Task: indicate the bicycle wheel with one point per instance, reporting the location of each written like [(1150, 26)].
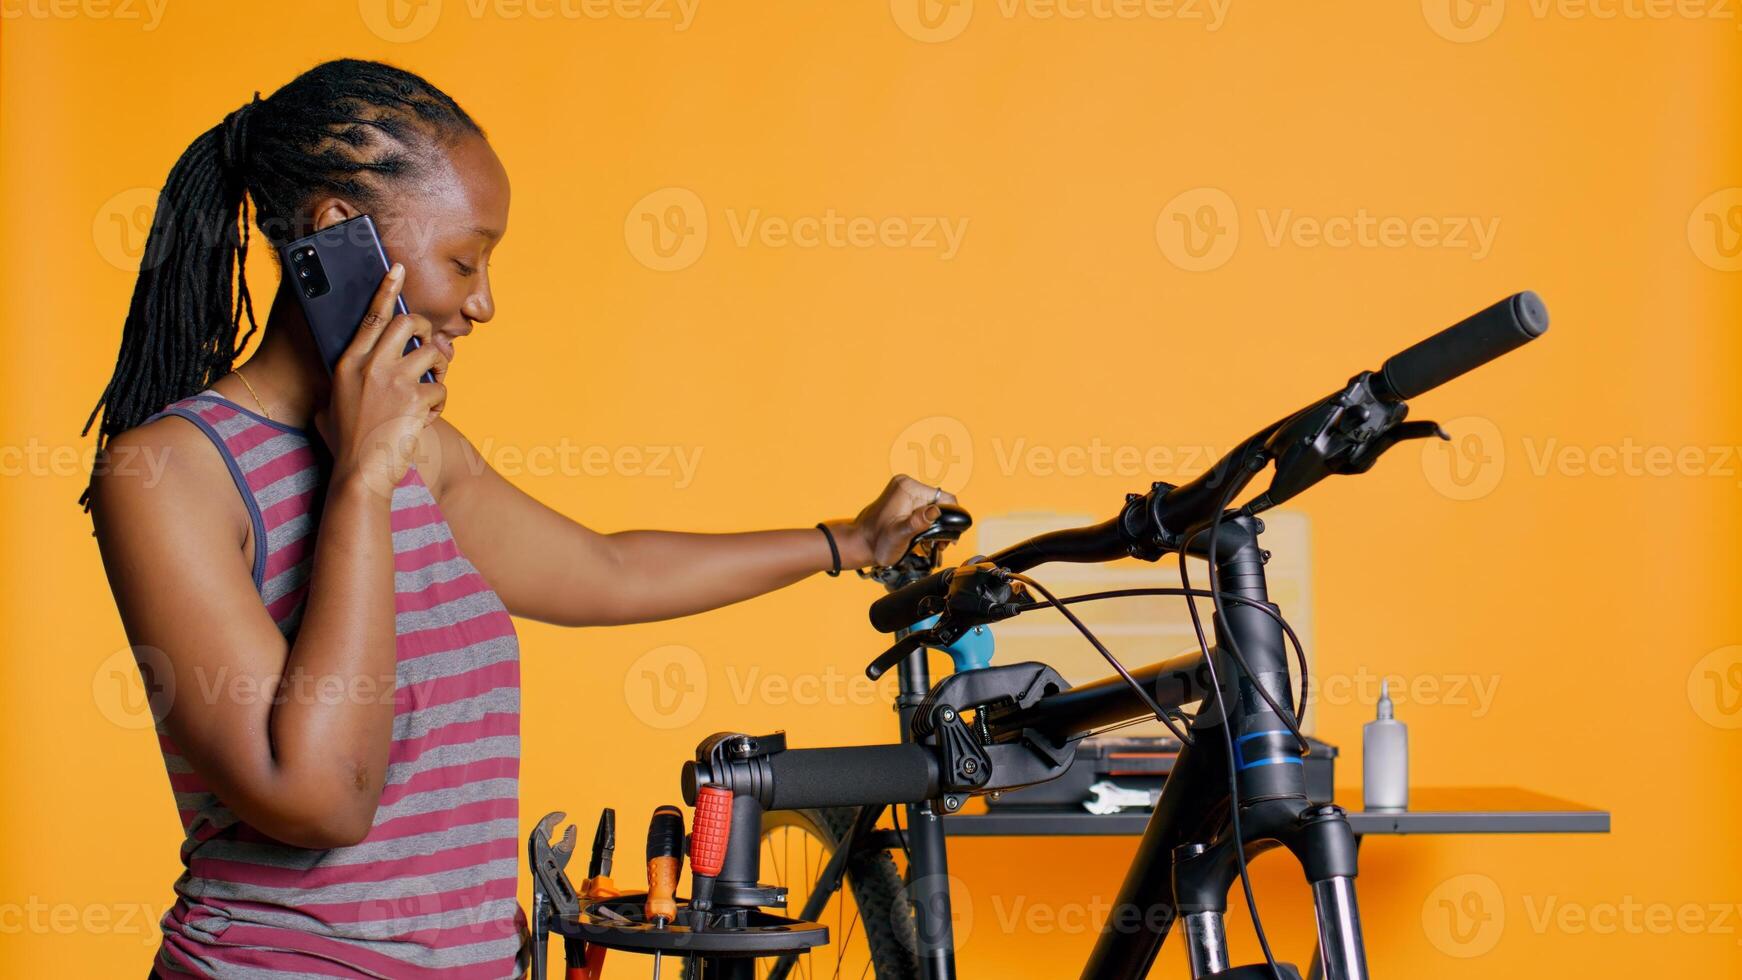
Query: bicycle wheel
[(870, 923)]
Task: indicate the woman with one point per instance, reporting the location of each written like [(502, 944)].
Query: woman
[(343, 736)]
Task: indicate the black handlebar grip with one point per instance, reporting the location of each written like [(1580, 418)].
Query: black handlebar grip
[(900, 609), (1463, 347), (861, 775)]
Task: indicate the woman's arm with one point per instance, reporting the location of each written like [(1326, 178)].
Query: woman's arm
[(293, 738), (550, 568), (307, 771)]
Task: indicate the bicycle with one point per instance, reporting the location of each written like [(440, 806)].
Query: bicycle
[(1237, 787)]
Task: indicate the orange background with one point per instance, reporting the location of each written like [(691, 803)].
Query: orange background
[(1597, 603)]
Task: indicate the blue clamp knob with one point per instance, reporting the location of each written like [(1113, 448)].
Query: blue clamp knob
[(971, 651)]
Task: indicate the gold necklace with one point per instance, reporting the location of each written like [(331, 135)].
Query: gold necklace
[(252, 393)]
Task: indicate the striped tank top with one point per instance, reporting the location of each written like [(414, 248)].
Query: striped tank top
[(430, 892)]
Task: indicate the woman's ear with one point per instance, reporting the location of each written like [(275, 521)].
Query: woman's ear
[(332, 210)]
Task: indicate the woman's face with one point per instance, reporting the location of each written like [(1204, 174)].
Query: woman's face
[(443, 228)]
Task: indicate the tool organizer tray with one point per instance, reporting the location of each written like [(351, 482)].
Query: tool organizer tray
[(759, 934)]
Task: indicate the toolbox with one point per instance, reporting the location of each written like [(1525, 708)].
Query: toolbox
[(1112, 774)]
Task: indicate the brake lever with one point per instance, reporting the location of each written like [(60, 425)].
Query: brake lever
[(980, 593), (909, 642), (1363, 458)]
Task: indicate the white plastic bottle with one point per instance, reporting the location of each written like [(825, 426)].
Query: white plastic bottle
[(1385, 759)]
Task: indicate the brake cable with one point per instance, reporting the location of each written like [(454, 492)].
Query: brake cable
[(1161, 714), (1263, 607)]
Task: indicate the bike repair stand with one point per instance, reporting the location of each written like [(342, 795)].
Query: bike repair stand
[(721, 928)]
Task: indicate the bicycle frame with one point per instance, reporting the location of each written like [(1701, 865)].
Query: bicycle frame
[(1188, 857), (1185, 863)]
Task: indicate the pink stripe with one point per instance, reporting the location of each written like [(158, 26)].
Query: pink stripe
[(212, 411), (436, 593), (467, 813), (278, 467), (460, 732), (450, 859), (290, 507), (366, 959), (490, 625), (451, 777), (457, 687), (286, 557), (281, 608), (417, 559), (247, 440), (413, 516), (472, 895)]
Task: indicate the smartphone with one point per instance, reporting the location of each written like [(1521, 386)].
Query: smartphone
[(335, 273)]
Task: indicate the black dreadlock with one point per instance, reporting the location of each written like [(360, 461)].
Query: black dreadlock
[(347, 128)]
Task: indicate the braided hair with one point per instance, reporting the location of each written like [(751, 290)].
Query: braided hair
[(346, 128)]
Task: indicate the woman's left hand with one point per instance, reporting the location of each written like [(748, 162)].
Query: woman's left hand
[(882, 530)]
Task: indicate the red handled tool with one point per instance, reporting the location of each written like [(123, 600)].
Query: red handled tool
[(708, 841)]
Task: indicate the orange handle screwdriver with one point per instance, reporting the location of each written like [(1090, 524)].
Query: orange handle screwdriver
[(664, 863)]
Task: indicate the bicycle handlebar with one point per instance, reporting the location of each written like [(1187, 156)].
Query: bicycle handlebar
[(1458, 349), (1463, 347)]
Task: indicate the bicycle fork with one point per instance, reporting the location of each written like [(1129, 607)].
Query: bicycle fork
[(1319, 837)]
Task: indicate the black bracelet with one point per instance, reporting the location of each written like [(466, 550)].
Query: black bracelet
[(834, 552)]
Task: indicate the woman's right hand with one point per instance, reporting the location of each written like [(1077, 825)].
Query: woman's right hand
[(379, 407)]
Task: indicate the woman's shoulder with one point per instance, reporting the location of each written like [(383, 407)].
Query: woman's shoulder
[(163, 466)]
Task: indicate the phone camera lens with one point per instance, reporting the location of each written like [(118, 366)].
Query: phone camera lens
[(310, 291)]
